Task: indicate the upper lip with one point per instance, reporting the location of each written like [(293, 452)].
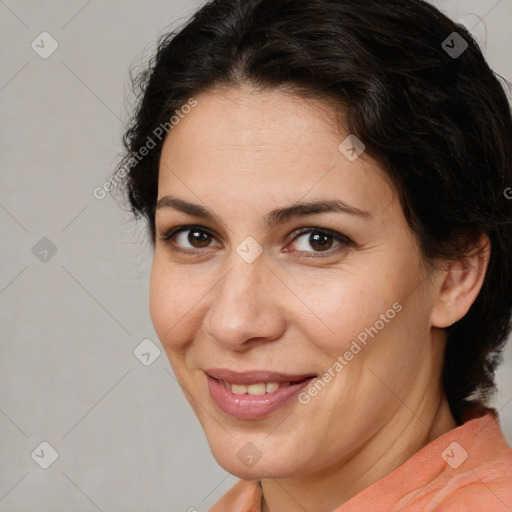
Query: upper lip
[(255, 376)]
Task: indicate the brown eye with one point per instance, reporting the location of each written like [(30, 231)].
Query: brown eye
[(198, 239), (320, 241), (316, 240), (188, 238)]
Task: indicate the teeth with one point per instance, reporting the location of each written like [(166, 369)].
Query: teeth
[(255, 389), (238, 389), (272, 386)]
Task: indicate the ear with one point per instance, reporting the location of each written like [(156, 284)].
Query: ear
[(459, 284)]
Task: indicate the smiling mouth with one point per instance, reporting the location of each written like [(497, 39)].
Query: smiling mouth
[(259, 388), (253, 394), (256, 380)]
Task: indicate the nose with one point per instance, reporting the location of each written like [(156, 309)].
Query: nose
[(245, 310)]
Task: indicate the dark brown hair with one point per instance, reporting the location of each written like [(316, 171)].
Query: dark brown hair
[(438, 123)]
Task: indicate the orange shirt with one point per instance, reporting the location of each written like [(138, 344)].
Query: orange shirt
[(468, 469)]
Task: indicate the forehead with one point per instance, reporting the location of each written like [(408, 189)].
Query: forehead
[(239, 143), (244, 119)]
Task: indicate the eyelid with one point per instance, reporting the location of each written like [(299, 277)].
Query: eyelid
[(167, 236), (343, 240)]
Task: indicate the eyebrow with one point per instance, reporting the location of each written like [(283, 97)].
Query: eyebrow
[(274, 217)]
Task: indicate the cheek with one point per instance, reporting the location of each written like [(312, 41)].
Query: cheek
[(342, 307), (171, 300)]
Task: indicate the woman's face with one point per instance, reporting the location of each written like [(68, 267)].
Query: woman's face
[(264, 291)]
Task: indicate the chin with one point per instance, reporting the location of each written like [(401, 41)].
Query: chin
[(249, 464)]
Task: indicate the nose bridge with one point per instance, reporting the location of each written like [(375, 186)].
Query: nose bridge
[(243, 308), (242, 281)]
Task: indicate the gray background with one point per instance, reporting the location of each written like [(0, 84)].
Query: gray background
[(125, 436)]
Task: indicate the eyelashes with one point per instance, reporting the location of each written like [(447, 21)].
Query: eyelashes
[(322, 241)]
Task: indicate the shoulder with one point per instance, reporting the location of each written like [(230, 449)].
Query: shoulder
[(475, 465), (484, 478), (469, 469)]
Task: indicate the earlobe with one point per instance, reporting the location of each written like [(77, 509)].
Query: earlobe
[(459, 285)]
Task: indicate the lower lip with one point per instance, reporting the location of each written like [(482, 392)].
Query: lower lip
[(252, 407)]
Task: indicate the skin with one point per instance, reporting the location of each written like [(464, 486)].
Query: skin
[(241, 153)]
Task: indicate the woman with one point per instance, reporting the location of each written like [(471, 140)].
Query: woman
[(324, 185)]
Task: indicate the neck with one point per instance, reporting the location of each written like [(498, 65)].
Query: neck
[(404, 435)]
